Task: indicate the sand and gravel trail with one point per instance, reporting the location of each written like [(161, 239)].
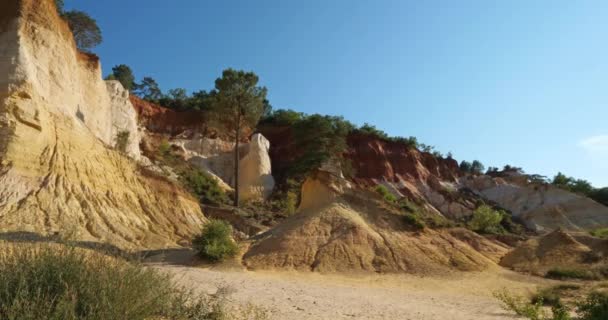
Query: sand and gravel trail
[(291, 295)]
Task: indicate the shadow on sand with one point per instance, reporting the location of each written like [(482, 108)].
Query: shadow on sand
[(171, 256)]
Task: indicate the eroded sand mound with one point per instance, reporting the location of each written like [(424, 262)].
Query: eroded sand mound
[(337, 229), (58, 124), (555, 250)]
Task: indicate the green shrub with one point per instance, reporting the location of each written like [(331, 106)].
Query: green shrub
[(164, 150), (215, 241), (408, 206), (595, 307), (56, 282), (521, 306), (285, 200), (386, 195), (122, 141), (563, 273), (291, 202), (319, 139), (600, 233), (547, 296), (371, 130), (204, 186), (414, 220), (349, 171), (486, 220), (509, 225)]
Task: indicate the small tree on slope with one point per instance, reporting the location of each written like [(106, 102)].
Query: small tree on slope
[(239, 103)]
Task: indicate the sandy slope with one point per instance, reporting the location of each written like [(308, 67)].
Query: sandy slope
[(314, 296)]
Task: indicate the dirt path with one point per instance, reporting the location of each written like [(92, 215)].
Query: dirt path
[(314, 296)]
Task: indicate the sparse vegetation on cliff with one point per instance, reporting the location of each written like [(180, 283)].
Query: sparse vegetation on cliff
[(122, 141), (582, 187), (368, 129), (475, 167), (203, 185), (386, 195)]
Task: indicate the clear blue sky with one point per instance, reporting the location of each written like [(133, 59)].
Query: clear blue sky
[(518, 82)]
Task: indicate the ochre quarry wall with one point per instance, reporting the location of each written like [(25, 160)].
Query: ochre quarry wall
[(59, 172)]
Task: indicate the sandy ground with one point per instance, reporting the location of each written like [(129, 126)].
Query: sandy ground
[(290, 295)]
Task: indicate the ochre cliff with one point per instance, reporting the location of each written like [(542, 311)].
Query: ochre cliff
[(373, 158), (59, 120), (162, 120)]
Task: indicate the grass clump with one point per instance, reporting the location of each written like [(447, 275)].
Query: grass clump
[(215, 242), (521, 306), (386, 195), (600, 233), (56, 282), (566, 273), (593, 307), (164, 150), (414, 220), (551, 296)]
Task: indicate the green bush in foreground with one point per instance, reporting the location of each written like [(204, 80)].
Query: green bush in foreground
[(215, 242), (593, 307), (55, 282)]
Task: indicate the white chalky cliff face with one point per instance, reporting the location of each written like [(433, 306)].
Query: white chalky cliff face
[(542, 208), (216, 157), (59, 120)]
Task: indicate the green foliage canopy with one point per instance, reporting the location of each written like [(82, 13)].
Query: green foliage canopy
[(59, 4), (486, 220), (123, 74), (475, 167), (85, 29), (148, 89)]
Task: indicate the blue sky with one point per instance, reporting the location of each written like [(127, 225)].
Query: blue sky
[(506, 82)]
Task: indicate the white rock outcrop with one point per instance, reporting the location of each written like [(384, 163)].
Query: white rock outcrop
[(255, 176), (123, 118), (58, 124), (541, 207), (216, 157)]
